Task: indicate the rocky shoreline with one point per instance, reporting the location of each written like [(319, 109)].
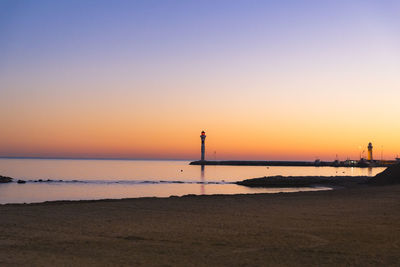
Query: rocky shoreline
[(304, 181), (5, 179), (388, 177)]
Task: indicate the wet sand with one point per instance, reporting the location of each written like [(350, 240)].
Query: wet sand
[(350, 226)]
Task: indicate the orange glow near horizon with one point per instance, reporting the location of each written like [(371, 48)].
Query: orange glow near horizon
[(170, 138), (236, 131)]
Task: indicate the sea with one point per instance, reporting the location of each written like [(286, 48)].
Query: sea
[(92, 179)]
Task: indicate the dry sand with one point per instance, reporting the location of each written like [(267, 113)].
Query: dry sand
[(353, 226)]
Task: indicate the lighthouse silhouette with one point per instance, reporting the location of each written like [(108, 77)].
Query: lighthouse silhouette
[(203, 147), (370, 157)]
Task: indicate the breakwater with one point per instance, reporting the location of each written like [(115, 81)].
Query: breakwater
[(349, 163)]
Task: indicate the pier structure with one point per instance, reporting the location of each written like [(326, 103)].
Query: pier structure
[(203, 146), (347, 163), (370, 157)]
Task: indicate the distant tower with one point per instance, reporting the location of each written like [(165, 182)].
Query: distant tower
[(370, 158), (203, 147)]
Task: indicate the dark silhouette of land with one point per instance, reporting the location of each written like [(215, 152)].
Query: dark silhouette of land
[(5, 179), (305, 181), (390, 176)]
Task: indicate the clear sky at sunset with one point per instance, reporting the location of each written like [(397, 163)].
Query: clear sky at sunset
[(141, 79)]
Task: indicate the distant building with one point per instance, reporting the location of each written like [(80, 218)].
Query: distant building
[(349, 162), (336, 163)]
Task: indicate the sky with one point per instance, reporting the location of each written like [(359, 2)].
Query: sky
[(266, 80)]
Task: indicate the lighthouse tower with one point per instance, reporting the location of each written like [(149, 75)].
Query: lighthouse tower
[(370, 158), (203, 147)]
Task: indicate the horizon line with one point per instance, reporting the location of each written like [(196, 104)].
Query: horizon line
[(132, 159), (87, 158)]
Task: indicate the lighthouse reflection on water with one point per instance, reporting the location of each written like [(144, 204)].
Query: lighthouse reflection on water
[(203, 150), (202, 190)]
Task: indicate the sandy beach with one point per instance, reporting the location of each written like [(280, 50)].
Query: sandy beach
[(352, 226)]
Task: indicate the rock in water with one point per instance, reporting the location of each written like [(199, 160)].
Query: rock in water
[(389, 176), (4, 179), (21, 181)]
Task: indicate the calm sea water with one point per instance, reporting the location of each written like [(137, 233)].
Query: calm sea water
[(100, 179)]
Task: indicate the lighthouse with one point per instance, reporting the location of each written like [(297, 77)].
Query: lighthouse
[(203, 147), (370, 152)]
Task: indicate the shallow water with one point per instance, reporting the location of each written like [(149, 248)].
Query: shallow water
[(99, 179)]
